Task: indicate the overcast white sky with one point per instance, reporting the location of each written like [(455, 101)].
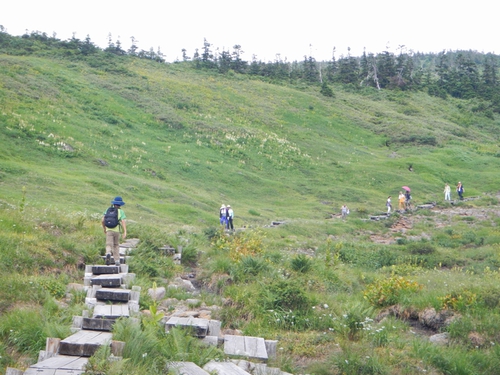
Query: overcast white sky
[(265, 27)]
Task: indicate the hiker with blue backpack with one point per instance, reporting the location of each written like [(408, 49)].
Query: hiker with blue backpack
[(113, 221)]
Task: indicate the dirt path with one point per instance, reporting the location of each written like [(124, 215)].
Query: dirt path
[(443, 217)]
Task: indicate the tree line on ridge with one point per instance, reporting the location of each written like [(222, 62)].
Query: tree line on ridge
[(459, 74)]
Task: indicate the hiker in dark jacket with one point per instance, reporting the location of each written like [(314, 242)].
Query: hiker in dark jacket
[(460, 190), (230, 217)]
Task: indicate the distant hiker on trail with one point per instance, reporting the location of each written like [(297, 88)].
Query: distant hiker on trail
[(223, 215), (345, 212), (401, 201), (230, 217), (447, 191), (112, 222), (407, 199), (460, 190), (389, 205)]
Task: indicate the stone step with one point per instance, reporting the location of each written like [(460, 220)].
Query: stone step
[(110, 281), (224, 368), (113, 311), (245, 346), (59, 364), (84, 343), (185, 368), (97, 324), (113, 294)]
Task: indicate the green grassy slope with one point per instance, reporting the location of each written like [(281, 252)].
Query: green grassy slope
[(176, 143)]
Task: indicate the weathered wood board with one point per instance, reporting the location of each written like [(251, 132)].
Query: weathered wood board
[(199, 326), (98, 324), (112, 294), (245, 346), (224, 368), (113, 281), (105, 270), (84, 343), (113, 311), (58, 365), (186, 368)]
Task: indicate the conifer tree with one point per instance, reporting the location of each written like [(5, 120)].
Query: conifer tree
[(348, 69), (331, 68), (237, 64)]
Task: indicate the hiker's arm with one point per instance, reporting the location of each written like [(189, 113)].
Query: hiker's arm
[(103, 226), (124, 226)]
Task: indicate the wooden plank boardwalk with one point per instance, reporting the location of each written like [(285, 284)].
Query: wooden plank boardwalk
[(110, 301)]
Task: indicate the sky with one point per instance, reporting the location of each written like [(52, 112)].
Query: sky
[(264, 28)]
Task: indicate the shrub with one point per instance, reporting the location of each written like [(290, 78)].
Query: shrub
[(247, 243), (421, 248), (211, 232), (252, 265), (387, 292), (459, 301), (55, 287), (147, 261), (301, 263), (286, 295)]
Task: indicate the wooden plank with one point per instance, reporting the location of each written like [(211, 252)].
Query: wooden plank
[(114, 311), (39, 371), (63, 362), (109, 294), (224, 368), (105, 270), (113, 281), (199, 326), (84, 343), (59, 365), (120, 310), (53, 372), (98, 324), (246, 346), (186, 368)]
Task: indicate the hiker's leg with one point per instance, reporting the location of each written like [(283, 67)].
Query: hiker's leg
[(116, 247), (109, 242)]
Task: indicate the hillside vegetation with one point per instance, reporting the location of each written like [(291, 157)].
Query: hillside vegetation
[(177, 142)]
